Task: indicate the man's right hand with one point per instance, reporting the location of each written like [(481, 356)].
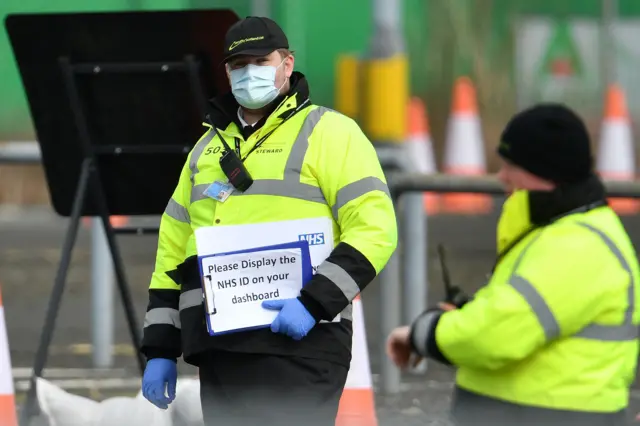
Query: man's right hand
[(160, 374), (399, 347)]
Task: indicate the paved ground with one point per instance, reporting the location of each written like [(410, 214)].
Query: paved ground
[(29, 252)]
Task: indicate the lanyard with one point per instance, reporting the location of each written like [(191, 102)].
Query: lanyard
[(265, 137), (262, 139)]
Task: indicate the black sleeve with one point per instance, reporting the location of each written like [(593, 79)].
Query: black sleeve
[(339, 279), (161, 333)]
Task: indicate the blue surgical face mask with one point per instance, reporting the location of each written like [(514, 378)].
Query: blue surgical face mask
[(254, 86)]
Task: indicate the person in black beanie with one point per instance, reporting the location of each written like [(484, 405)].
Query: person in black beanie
[(553, 337)]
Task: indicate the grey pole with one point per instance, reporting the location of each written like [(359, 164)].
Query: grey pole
[(414, 262), (390, 319), (392, 157), (387, 35), (413, 229), (386, 42), (102, 279), (261, 8)]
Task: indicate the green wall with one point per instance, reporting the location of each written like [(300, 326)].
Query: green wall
[(318, 30)]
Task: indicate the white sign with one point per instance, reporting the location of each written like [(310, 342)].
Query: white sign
[(318, 232), (237, 284)]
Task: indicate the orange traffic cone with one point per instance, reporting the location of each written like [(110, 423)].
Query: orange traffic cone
[(464, 151), (116, 222), (357, 405), (616, 156), (420, 149), (8, 416)]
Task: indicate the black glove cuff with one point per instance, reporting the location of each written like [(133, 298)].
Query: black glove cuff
[(151, 353), (423, 336), (312, 306)]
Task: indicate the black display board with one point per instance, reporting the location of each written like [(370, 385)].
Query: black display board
[(138, 107)]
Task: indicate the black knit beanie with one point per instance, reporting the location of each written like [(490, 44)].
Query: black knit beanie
[(550, 141)]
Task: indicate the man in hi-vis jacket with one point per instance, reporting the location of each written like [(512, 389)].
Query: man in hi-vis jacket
[(306, 161)]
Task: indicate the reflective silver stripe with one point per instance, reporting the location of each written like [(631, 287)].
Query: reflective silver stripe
[(340, 278), (190, 299), (285, 188), (288, 189), (197, 192), (162, 316), (293, 169), (538, 305), (624, 332), (422, 327), (609, 333), (356, 189), (533, 298), (197, 152), (347, 313), (627, 330), (177, 212)]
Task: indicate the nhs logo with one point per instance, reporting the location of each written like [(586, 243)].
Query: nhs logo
[(313, 239)]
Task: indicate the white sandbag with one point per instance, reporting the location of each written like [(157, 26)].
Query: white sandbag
[(186, 409), (119, 411), (62, 408)]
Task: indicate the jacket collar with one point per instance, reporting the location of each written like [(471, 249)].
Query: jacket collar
[(222, 111), (525, 211)]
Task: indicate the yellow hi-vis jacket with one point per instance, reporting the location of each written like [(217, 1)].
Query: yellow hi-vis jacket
[(557, 325), (318, 163)]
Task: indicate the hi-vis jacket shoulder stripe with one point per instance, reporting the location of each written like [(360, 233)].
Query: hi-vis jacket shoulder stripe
[(355, 197)]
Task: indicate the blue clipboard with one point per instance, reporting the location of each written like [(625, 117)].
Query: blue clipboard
[(307, 274)]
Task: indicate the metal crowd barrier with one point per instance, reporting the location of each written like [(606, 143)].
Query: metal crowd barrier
[(20, 153)]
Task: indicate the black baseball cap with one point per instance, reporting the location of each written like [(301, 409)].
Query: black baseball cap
[(255, 36)]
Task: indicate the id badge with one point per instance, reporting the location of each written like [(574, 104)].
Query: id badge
[(219, 191)]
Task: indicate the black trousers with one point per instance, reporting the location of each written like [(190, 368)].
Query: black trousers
[(240, 389), (471, 409)]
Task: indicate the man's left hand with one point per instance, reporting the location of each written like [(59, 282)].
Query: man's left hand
[(293, 320), (398, 346)]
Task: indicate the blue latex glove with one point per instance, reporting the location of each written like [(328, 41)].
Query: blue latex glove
[(293, 320), (159, 374)]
